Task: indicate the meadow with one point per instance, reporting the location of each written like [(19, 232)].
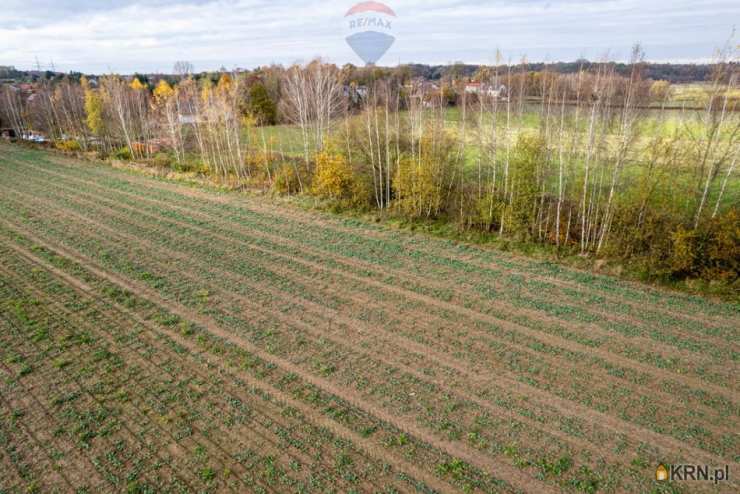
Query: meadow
[(158, 337)]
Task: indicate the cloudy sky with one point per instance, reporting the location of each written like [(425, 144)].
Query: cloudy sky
[(150, 35)]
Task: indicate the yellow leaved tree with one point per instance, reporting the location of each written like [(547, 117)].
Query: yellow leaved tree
[(163, 92), (225, 83), (93, 108), (136, 84), (333, 178)]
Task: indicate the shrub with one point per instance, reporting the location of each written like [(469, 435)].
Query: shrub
[(286, 179), (660, 90), (422, 185), (722, 251), (190, 163), (361, 192), (69, 145), (529, 153), (419, 190), (259, 165), (666, 248), (487, 211), (123, 154), (162, 160), (333, 178), (711, 252), (261, 105), (683, 256)]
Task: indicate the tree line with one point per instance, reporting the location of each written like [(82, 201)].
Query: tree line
[(675, 73), (580, 161)]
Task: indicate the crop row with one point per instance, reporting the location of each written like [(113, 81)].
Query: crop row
[(327, 404), (176, 399), (225, 320)]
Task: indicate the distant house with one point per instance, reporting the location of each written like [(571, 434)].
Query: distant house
[(25, 90), (426, 93), (473, 87), (422, 85), (480, 88), (356, 93)]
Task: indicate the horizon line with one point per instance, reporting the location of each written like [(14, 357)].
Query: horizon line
[(52, 66)]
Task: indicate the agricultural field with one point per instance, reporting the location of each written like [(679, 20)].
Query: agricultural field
[(158, 337)]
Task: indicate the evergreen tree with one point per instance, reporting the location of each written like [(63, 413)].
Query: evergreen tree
[(261, 105)]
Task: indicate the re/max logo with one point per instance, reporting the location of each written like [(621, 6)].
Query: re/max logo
[(369, 22), (698, 473)]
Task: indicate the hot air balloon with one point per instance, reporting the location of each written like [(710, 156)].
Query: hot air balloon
[(370, 30)]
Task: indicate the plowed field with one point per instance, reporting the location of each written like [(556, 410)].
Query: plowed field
[(158, 337)]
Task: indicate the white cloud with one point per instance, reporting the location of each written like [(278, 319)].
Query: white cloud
[(148, 35)]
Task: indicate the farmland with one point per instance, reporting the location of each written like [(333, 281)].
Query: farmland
[(158, 337)]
